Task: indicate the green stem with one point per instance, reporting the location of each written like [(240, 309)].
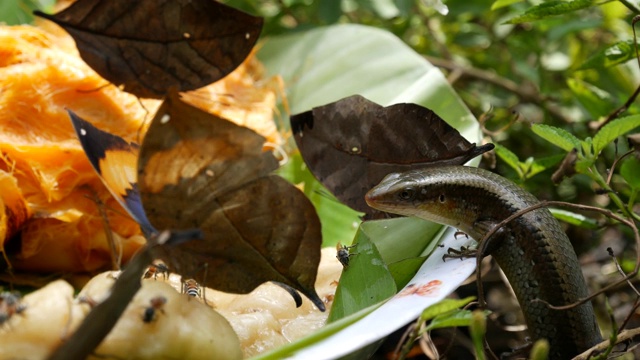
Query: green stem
[(595, 175), (632, 201)]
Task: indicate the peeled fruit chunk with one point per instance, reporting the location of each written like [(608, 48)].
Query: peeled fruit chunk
[(182, 328)]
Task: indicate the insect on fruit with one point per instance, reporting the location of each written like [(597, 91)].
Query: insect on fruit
[(155, 304), (155, 269), (343, 254), (10, 305), (191, 288)]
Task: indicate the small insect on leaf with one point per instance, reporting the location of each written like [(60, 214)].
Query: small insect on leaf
[(156, 305), (151, 46), (343, 255), (351, 144)]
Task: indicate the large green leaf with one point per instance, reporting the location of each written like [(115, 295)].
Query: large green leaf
[(618, 53), (551, 8), (612, 130), (557, 136)]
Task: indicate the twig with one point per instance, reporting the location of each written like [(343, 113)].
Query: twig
[(619, 268), (615, 163), (623, 336), (524, 93)]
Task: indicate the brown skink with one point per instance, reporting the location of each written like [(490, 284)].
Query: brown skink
[(532, 250)]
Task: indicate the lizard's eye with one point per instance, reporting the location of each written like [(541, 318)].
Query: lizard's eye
[(407, 193)]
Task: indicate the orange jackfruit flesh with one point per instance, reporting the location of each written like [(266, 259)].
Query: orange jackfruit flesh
[(55, 206)]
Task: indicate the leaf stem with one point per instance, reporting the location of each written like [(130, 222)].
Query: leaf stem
[(597, 177)]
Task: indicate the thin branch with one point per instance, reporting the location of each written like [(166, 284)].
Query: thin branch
[(615, 163), (623, 336), (526, 94)]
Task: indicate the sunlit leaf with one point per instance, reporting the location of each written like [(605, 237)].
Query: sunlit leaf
[(498, 4), (444, 306), (596, 101), (612, 130), (557, 136), (510, 158), (618, 53), (575, 219), (451, 319), (550, 8)]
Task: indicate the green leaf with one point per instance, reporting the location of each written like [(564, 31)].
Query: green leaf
[(509, 158), (596, 101), (386, 9), (558, 137), (550, 8), (630, 171), (618, 53), (540, 350), (542, 164), (404, 270), (478, 330), (587, 147), (452, 319), (367, 280), (549, 161), (583, 165), (575, 219), (403, 238), (15, 12), (614, 129), (531, 166), (444, 306), (498, 4)]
